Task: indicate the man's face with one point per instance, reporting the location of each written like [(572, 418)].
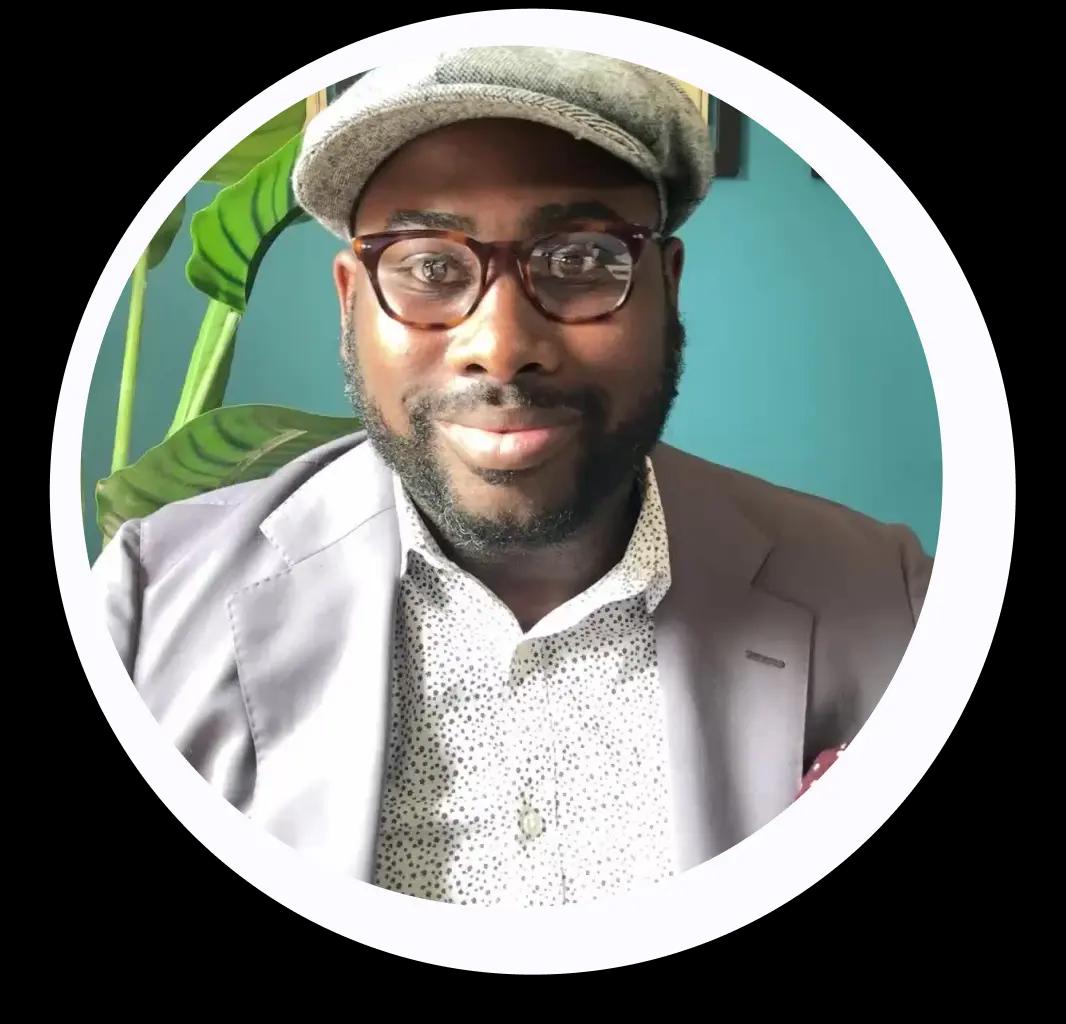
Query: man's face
[(510, 429)]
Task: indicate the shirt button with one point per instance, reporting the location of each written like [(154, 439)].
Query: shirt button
[(531, 823)]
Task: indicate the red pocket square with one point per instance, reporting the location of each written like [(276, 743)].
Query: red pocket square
[(819, 768)]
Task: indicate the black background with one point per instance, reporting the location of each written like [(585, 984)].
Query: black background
[(129, 890)]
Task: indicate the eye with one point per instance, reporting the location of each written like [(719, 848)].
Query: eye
[(575, 260), (435, 268)]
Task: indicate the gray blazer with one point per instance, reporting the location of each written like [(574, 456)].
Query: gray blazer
[(256, 623)]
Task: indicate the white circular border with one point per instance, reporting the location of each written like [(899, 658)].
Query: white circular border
[(908, 727)]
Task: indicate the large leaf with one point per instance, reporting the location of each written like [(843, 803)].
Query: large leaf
[(232, 235), (225, 446), (258, 146), (164, 237)]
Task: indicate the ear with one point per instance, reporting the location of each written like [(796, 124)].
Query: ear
[(345, 269), (673, 265)]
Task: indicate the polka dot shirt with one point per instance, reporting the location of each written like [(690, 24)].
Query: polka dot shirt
[(525, 769)]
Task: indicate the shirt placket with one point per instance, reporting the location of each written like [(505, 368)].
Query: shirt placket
[(536, 878)]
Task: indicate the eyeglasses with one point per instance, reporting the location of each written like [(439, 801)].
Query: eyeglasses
[(434, 280)]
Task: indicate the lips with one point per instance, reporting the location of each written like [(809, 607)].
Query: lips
[(508, 442)]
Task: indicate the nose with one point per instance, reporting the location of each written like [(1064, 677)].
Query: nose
[(506, 335)]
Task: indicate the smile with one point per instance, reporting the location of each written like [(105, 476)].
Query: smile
[(519, 447)]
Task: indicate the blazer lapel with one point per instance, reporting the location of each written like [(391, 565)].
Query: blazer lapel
[(733, 667), (313, 650)]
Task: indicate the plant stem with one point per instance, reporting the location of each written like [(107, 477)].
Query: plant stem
[(120, 457), (216, 359), (210, 337)]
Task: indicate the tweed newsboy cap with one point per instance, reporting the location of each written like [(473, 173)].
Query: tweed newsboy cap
[(640, 116)]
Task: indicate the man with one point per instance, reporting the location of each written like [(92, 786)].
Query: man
[(505, 648)]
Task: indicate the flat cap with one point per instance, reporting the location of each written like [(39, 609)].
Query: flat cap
[(640, 116)]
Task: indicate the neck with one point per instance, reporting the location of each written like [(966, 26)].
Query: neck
[(534, 581)]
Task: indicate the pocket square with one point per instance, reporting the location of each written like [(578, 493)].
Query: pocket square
[(819, 767)]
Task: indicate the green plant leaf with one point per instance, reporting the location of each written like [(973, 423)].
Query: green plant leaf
[(258, 146), (164, 237), (227, 445), (232, 235)]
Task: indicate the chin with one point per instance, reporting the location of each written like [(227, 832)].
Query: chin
[(513, 500)]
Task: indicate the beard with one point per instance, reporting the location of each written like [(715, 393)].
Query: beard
[(609, 457)]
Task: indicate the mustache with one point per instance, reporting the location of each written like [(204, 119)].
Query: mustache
[(588, 402)]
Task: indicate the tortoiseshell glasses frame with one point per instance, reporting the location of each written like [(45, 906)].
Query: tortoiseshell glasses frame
[(633, 238)]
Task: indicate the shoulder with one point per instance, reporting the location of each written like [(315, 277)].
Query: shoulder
[(224, 517), (818, 551), (782, 512)]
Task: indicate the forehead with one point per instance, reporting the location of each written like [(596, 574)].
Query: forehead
[(503, 172)]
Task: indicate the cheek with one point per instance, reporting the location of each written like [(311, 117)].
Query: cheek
[(628, 348), (623, 356), (643, 349), (379, 337), (394, 360)]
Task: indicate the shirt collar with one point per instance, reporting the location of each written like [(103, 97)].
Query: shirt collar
[(644, 568), (414, 534)]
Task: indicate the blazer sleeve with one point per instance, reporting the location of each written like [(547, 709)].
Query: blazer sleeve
[(118, 576), (212, 732), (917, 567)]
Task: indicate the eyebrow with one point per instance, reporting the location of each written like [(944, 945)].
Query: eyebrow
[(542, 219), (557, 214), (435, 220)]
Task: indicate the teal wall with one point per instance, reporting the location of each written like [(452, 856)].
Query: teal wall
[(802, 366)]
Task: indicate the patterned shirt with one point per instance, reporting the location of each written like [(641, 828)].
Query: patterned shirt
[(525, 769)]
